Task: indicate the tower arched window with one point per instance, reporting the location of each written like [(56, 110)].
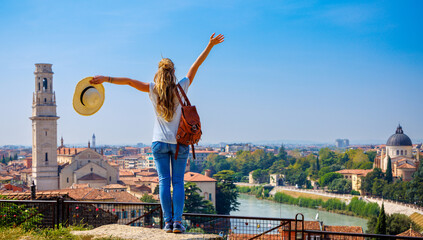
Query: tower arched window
[(46, 157), (67, 180), (402, 152), (91, 169), (45, 84), (397, 152), (39, 86), (45, 99)]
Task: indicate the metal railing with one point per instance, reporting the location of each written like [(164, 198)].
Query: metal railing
[(60, 212)]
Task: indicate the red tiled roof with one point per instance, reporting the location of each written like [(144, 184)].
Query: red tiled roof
[(406, 165), (196, 177), (113, 186), (346, 229), (5, 178), (79, 185), (26, 170), (362, 172), (410, 233)]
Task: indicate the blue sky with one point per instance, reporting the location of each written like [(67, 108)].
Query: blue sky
[(288, 70)]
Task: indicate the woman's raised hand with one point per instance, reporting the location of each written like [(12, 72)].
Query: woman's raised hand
[(216, 40), (98, 79)]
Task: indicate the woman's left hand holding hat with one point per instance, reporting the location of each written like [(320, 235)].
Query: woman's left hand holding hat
[(98, 79)]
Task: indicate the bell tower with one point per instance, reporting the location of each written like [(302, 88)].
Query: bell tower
[(44, 130)]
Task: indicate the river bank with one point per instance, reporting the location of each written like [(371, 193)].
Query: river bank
[(353, 207), (251, 206)]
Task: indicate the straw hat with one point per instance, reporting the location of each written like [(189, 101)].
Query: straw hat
[(88, 98)]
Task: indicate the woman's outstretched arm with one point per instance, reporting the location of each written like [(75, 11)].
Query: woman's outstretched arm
[(142, 86), (213, 41)]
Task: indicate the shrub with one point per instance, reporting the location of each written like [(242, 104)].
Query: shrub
[(12, 215), (354, 192)]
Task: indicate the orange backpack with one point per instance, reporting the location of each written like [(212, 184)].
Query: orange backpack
[(189, 131)]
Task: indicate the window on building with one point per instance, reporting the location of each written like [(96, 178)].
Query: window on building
[(402, 152), (110, 179), (39, 86), (46, 157), (45, 84), (397, 152), (45, 99), (133, 213), (405, 152), (67, 180), (210, 197), (124, 214), (46, 133), (91, 169), (118, 215)]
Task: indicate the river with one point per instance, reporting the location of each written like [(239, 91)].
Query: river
[(251, 206)]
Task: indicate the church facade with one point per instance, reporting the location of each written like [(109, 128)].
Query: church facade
[(400, 149), (58, 168), (84, 167)]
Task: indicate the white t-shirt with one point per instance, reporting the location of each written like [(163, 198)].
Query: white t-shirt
[(166, 131)]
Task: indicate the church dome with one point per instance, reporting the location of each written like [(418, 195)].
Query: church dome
[(399, 139)]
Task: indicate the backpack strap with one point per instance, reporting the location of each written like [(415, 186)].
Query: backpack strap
[(193, 151), (184, 95)]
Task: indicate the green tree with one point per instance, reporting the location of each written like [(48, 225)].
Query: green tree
[(10, 158), (277, 167), (381, 222), (261, 176), (282, 153), (317, 164), (194, 202), (377, 188), (327, 157), (341, 185), (226, 192), (3, 160), (329, 177), (414, 192), (388, 176), (371, 155), (367, 182), (147, 198), (15, 157), (156, 190), (398, 223)]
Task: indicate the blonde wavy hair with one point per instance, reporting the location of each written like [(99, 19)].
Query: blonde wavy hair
[(165, 84)]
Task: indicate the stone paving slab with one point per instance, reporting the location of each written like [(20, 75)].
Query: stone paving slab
[(128, 232)]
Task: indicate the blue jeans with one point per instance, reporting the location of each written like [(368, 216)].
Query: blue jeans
[(164, 158)]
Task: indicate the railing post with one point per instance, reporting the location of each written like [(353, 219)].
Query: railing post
[(161, 218), (59, 211)]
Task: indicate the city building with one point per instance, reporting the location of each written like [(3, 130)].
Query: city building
[(400, 149), (342, 143), (200, 156), (355, 175), (206, 184), (58, 168), (44, 130), (86, 166), (237, 147)]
